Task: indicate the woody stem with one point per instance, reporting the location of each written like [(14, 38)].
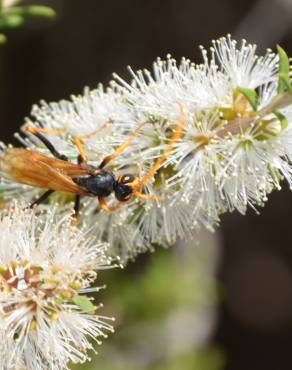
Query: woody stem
[(239, 124)]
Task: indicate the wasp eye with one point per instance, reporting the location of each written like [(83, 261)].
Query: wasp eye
[(125, 179)]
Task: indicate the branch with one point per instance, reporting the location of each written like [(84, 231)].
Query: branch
[(237, 125)]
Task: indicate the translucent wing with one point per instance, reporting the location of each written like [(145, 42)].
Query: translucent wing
[(32, 168)]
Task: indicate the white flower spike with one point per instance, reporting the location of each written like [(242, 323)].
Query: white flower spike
[(46, 268), (199, 140)]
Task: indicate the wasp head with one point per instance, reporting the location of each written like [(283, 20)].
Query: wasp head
[(126, 185)]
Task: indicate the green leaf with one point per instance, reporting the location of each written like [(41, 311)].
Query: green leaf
[(286, 82), (2, 38), (10, 20), (283, 120), (284, 69), (15, 17), (84, 303), (250, 95), (32, 11)]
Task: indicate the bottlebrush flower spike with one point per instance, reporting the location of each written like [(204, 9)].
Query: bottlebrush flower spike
[(46, 268), (214, 137)]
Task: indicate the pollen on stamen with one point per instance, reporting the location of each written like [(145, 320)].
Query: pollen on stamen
[(46, 266)]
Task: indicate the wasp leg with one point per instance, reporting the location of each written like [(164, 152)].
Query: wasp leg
[(41, 199), (122, 147), (146, 196), (36, 132), (75, 215), (77, 140), (77, 198), (33, 130), (105, 207), (174, 138), (82, 154)]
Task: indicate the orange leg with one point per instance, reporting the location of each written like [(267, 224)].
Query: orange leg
[(80, 148), (74, 220), (78, 140), (174, 138), (138, 186), (35, 130), (122, 147), (105, 207), (146, 196)]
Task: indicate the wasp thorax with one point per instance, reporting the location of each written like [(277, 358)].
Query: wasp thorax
[(101, 184)]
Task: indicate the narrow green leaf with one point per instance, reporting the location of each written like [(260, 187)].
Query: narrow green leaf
[(32, 11), (10, 20), (283, 120), (284, 69), (285, 81), (250, 95), (84, 303)]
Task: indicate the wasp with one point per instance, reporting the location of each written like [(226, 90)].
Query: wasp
[(57, 174)]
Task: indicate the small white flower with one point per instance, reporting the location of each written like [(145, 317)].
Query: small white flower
[(103, 113), (241, 65), (229, 154), (45, 266)]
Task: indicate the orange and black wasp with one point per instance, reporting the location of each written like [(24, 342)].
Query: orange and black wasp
[(56, 173)]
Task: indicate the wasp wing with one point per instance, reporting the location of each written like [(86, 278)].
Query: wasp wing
[(66, 168), (32, 168)]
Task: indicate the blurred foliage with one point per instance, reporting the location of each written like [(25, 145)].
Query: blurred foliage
[(14, 16), (164, 304)]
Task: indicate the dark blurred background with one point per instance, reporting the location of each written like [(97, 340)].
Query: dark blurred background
[(83, 45)]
